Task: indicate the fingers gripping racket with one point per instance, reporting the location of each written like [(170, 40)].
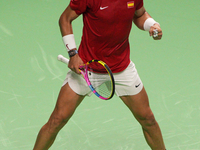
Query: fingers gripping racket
[(98, 76)]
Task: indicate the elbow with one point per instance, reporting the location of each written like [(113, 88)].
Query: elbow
[(61, 20), (64, 20), (67, 17)]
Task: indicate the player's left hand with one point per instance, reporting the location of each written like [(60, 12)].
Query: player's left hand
[(156, 32)]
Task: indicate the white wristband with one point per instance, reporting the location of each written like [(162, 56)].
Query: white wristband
[(148, 23), (69, 42)]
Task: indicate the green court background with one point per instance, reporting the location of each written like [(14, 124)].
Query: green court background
[(31, 77)]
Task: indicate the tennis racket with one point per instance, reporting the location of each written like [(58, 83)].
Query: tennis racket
[(98, 76)]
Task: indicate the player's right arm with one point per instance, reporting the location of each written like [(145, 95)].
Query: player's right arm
[(65, 23)]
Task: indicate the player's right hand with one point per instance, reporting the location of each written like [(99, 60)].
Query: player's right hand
[(74, 63)]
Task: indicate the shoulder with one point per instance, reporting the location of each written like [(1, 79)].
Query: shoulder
[(82, 6), (139, 4)]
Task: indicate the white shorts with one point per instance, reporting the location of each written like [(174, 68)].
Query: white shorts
[(127, 82)]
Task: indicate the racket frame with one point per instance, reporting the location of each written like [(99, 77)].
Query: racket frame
[(85, 75)]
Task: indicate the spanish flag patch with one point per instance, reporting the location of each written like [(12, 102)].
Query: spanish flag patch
[(130, 4)]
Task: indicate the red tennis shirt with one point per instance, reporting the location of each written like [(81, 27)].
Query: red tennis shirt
[(107, 24)]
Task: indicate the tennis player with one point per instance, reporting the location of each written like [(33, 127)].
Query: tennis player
[(106, 30)]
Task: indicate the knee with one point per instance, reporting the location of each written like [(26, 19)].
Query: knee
[(55, 124), (147, 120)]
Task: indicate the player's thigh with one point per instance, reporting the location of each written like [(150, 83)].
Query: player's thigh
[(139, 105), (67, 103)]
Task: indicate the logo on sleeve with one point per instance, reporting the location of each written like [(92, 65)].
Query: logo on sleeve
[(130, 4)]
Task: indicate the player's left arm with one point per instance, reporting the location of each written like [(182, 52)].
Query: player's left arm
[(145, 22)]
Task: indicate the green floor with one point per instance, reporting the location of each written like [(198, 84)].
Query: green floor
[(31, 77)]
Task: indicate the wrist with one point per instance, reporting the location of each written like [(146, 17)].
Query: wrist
[(149, 23), (72, 52), (69, 42)]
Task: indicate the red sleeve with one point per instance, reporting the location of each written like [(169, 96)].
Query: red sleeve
[(139, 4), (79, 6)]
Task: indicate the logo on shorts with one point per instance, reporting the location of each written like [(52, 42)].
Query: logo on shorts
[(137, 85)]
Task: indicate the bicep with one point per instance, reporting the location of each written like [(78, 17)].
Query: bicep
[(139, 12)]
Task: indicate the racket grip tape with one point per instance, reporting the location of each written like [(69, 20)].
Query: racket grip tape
[(63, 59)]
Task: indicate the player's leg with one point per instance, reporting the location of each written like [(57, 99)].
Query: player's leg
[(66, 104), (139, 106)]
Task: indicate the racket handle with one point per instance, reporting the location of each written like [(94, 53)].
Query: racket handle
[(63, 59)]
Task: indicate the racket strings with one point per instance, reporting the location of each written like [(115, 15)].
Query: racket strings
[(104, 89), (101, 82), (102, 85)]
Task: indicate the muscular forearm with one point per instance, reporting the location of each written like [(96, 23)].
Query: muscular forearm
[(65, 27), (139, 21)]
